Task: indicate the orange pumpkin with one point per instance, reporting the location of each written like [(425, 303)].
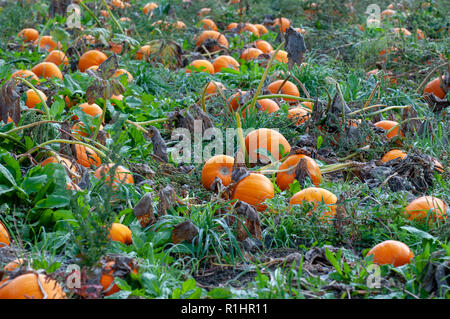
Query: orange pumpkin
[(261, 29), (267, 105), (298, 114), (121, 174), (33, 99), (90, 58), (233, 101), (86, 156), (47, 70), (393, 154), (58, 57), (212, 35), (119, 72), (26, 74), (284, 179), (250, 54), (120, 232), (203, 11), (107, 279), (33, 286), (232, 25), (149, 7), (288, 88), (391, 252), (402, 31), (202, 66), (250, 28), (264, 46), (29, 34), (388, 125), (67, 163), (79, 128), (425, 206), (213, 87), (387, 13), (269, 140), (219, 166), (317, 195), (143, 53), (47, 43), (208, 24), (434, 86), (4, 235), (254, 190), (283, 24), (225, 61), (90, 109)]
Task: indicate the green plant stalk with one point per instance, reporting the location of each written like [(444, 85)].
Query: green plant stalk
[(387, 109), (42, 33), (371, 96), (31, 86), (241, 137), (85, 7), (16, 129), (102, 118), (12, 138), (151, 122), (113, 17), (334, 167), (263, 78), (204, 97), (366, 108)]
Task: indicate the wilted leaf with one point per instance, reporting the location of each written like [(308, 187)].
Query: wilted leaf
[(185, 231), (295, 47), (10, 102), (159, 146), (251, 223), (107, 69), (301, 172), (167, 198), (144, 210)]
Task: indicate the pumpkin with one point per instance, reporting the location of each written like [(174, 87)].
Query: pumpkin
[(232, 25), (121, 174), (67, 163), (4, 235), (250, 28), (107, 279), (284, 179), (208, 24), (225, 61), (387, 13), (90, 109), (149, 7), (203, 11), (143, 53), (254, 190), (282, 56), (79, 128), (267, 105), (219, 166), (29, 34), (267, 139), (420, 35), (298, 114), (26, 286), (33, 99), (434, 86), (119, 73), (90, 58), (391, 252), (120, 232), (201, 66), (212, 35), (288, 88), (261, 29), (179, 25), (47, 43), (26, 74), (388, 125), (47, 70), (393, 154), (86, 156), (58, 57), (402, 31), (250, 54), (425, 206), (233, 101), (264, 46), (317, 195), (283, 24), (213, 87)]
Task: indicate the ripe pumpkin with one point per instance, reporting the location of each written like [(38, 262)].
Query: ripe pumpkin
[(47, 43), (203, 11), (402, 31), (212, 35), (120, 232), (250, 54), (63, 161), (179, 25), (29, 34), (121, 174), (317, 195), (90, 109), (425, 206), (107, 279), (58, 57), (261, 29), (90, 58), (393, 154), (26, 74), (232, 25), (267, 105), (208, 24), (434, 86), (387, 125), (47, 70), (267, 139), (391, 252), (283, 24), (202, 66), (143, 53), (254, 190), (250, 28), (33, 99), (86, 156), (420, 35), (26, 286), (233, 101), (225, 61), (4, 235), (219, 166), (284, 179), (387, 13), (298, 114), (282, 56), (149, 7), (213, 87), (264, 46), (79, 128), (119, 72), (288, 88)]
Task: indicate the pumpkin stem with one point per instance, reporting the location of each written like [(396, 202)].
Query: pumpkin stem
[(31, 86), (427, 78), (203, 97), (90, 12), (371, 95), (241, 137)]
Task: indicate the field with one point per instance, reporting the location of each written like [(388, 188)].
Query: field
[(160, 151)]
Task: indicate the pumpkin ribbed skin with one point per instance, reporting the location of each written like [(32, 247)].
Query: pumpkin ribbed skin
[(317, 195), (33, 99), (219, 166), (284, 179), (90, 58), (90, 109), (86, 156), (208, 24), (120, 232), (419, 208), (202, 66), (254, 190), (47, 70), (26, 74), (267, 105), (4, 235), (393, 154), (267, 139), (121, 174), (298, 114), (26, 287), (288, 88), (58, 57), (391, 252)]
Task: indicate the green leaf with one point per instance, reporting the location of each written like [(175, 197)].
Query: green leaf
[(53, 201), (319, 141), (7, 174), (418, 233), (332, 259), (189, 284), (57, 108), (34, 184), (220, 293)]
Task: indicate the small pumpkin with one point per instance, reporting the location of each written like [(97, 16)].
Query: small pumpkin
[(47, 70), (31, 285), (225, 61), (254, 190), (434, 86), (269, 140), (47, 43), (107, 278), (264, 46), (298, 114), (208, 24), (121, 174), (201, 66), (219, 166), (393, 154), (250, 54), (425, 206), (288, 88), (317, 195), (87, 156), (58, 57), (212, 35), (284, 179), (391, 252), (26, 74), (90, 58), (90, 109), (29, 34), (120, 232), (4, 235), (33, 99), (391, 126), (282, 23)]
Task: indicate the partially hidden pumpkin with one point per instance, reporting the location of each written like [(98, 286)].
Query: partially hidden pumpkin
[(254, 190), (391, 252), (286, 174)]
